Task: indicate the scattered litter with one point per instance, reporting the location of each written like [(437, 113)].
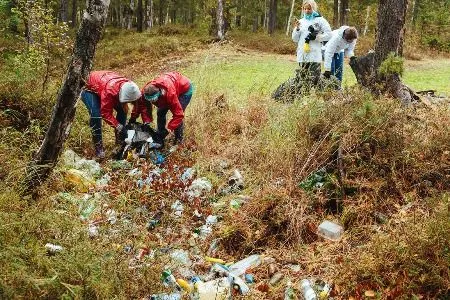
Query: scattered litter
[(81, 181), (135, 172), (211, 220), (92, 230), (249, 278), (180, 258), (198, 187), (307, 290), (330, 230), (276, 278), (174, 296), (294, 268), (213, 247), (214, 260), (52, 249), (218, 289), (272, 269), (187, 175), (111, 216), (289, 293), (177, 208), (242, 266)]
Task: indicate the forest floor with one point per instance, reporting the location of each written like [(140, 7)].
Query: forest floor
[(379, 170)]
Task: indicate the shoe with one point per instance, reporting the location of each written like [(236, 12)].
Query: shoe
[(100, 152)]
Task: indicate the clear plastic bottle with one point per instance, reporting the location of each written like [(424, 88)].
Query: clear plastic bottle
[(241, 266), (289, 292), (308, 291)]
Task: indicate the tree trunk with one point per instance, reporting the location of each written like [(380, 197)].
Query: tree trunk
[(63, 8), (336, 14), (149, 13), (161, 13), (220, 20), (366, 26), (130, 15), (266, 19), (272, 16), (343, 18), (255, 24), (139, 16), (390, 25), (290, 17), (79, 67), (73, 24)]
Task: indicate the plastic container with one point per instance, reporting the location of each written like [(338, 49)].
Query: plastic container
[(330, 231), (307, 290), (218, 289), (242, 266), (174, 296), (289, 293)]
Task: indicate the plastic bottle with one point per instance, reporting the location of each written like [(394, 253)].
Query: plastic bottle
[(289, 293), (308, 291), (174, 296), (169, 280), (241, 266)]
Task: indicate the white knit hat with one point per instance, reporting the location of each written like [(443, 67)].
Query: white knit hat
[(129, 92)]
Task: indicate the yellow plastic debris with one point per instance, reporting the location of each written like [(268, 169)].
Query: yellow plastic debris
[(79, 179), (214, 260), (184, 285), (306, 48)]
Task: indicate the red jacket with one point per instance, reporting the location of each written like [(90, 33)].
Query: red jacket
[(174, 84), (106, 84)]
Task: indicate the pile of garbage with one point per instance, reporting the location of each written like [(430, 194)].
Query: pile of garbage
[(175, 224)]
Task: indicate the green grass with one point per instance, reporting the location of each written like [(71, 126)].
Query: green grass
[(428, 75)]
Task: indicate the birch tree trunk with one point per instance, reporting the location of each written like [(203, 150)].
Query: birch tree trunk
[(290, 17), (78, 70), (390, 29), (220, 20), (366, 26), (149, 13)]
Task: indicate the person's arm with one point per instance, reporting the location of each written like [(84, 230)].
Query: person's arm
[(325, 27), (296, 33), (350, 51), (329, 51), (176, 110), (141, 108), (106, 109)]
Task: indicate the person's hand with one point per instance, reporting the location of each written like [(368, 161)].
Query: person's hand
[(121, 132), (327, 74), (311, 29)]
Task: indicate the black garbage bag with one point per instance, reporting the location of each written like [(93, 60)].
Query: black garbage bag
[(138, 139)]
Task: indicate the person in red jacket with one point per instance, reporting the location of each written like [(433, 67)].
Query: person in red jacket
[(171, 91), (106, 91)]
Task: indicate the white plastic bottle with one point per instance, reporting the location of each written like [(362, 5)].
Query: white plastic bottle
[(308, 291), (241, 266)]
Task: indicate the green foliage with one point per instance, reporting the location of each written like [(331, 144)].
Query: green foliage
[(393, 64)]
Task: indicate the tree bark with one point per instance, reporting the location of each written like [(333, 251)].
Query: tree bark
[(220, 21), (272, 16), (343, 18), (139, 16), (336, 14), (73, 24), (80, 65), (290, 17), (149, 13), (63, 8), (390, 28)]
